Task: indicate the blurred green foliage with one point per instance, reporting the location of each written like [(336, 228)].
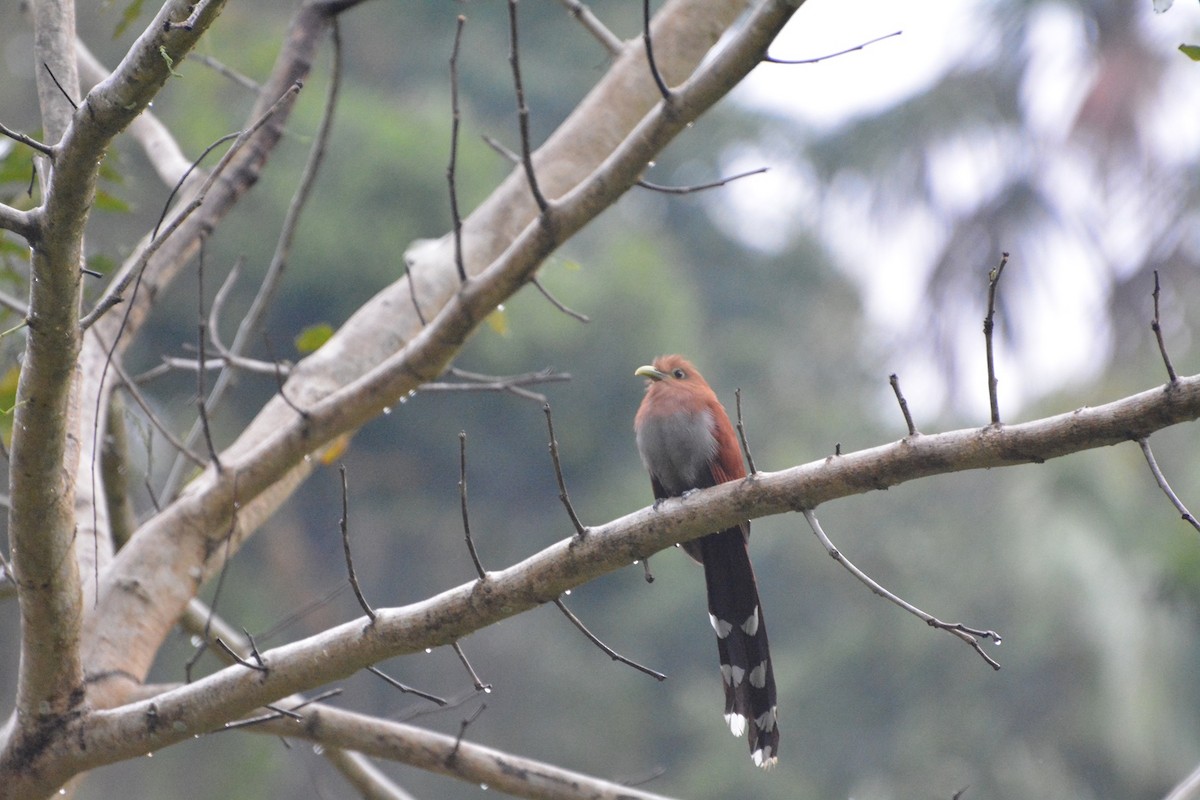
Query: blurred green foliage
[(1079, 563)]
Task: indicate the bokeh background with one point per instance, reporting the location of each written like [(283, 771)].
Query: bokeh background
[(1064, 132)]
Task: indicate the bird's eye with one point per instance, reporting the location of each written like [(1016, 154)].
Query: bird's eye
[(679, 373)]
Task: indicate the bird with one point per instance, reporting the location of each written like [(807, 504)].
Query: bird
[(687, 443)]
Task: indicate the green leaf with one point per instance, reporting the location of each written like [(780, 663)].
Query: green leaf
[(1192, 51), (313, 337)]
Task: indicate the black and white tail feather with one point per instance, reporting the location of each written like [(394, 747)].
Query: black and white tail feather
[(736, 616)]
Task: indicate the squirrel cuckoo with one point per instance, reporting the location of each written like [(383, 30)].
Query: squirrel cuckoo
[(686, 443)]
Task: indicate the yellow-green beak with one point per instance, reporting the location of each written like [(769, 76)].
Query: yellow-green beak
[(650, 372)]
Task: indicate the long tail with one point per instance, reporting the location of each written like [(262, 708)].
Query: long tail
[(736, 616)]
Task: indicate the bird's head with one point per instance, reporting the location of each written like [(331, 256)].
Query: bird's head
[(670, 369)]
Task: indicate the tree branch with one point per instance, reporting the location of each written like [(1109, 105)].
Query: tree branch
[(104, 736), (352, 378)]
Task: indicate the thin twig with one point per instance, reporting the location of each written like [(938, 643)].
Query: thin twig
[(433, 698), (645, 184), (1161, 479), (523, 111), (894, 380), (580, 529), (200, 339), (462, 496), (556, 303), (228, 356), (611, 42), (229, 651), (479, 685), (114, 294), (251, 321), (171, 363), (195, 165), (457, 701), (212, 608), (131, 387), (28, 141), (462, 729), (343, 523), (220, 68), (658, 78), (771, 60), (613, 654), (303, 611), (1157, 328), (278, 712), (511, 384), (50, 72), (279, 381), (455, 119), (741, 429), (969, 635), (253, 647), (988, 327), (412, 293)]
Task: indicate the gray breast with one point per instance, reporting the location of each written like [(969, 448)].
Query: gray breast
[(677, 449)]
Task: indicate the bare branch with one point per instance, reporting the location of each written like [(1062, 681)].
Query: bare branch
[(611, 42), (433, 698), (514, 58), (475, 764), (462, 730), (28, 141), (988, 325), (455, 119), (462, 496), (355, 767), (770, 60), (1157, 328), (657, 187), (613, 654), (741, 429), (555, 302), (511, 384), (1161, 480), (969, 635), (580, 529), (61, 89), (106, 736), (663, 89), (238, 659), (345, 528), (114, 468), (156, 141), (216, 66), (131, 387), (894, 380), (25, 224), (115, 293), (480, 686), (200, 339), (252, 320)]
